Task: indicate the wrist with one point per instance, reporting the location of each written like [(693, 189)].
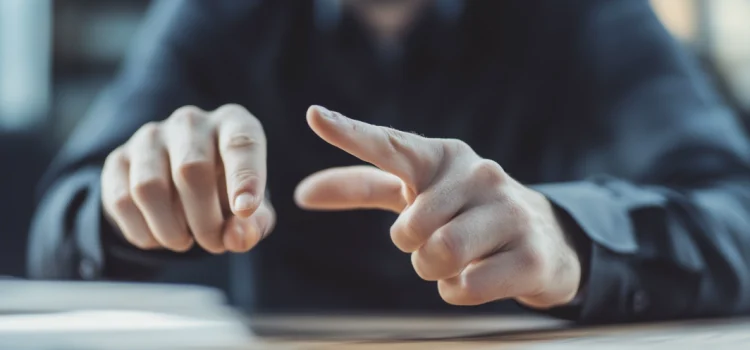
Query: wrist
[(580, 244)]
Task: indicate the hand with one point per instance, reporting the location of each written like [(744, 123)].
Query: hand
[(195, 177), (467, 224)]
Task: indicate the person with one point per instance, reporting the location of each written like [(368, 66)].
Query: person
[(566, 157)]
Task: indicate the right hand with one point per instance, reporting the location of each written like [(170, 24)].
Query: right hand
[(196, 177)]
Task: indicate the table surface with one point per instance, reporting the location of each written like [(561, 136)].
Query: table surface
[(345, 332), (54, 315)]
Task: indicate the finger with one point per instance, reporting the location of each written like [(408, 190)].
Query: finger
[(242, 145), (412, 158), (119, 205), (151, 188), (504, 275), (191, 149), (179, 214), (346, 188), (470, 236), (429, 211), (242, 234)]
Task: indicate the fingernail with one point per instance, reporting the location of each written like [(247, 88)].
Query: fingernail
[(325, 112), (244, 201)]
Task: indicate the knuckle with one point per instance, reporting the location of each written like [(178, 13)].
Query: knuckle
[(116, 157), (241, 141), (488, 172), (468, 292), (149, 188), (531, 262), (243, 177), (118, 154), (235, 110), (519, 216), (231, 108), (122, 202), (187, 115), (194, 171), (396, 139), (454, 147), (148, 132), (448, 247), (413, 230), (198, 150)]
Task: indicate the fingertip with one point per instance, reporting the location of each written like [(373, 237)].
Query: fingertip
[(301, 194), (233, 237), (311, 114), (217, 251), (317, 111), (241, 235), (319, 116), (185, 246), (313, 192), (146, 243)]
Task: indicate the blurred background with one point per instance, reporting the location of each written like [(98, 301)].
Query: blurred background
[(55, 56)]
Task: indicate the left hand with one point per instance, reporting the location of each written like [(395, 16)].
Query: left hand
[(467, 224)]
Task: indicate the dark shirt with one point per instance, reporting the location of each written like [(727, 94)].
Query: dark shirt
[(590, 102)]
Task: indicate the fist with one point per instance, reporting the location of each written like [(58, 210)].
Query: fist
[(196, 177), (466, 223)]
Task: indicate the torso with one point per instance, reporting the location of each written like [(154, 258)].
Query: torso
[(487, 87)]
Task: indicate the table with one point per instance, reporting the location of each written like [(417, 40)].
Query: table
[(115, 316), (359, 332)]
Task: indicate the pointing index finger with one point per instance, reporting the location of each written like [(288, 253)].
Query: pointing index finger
[(412, 158)]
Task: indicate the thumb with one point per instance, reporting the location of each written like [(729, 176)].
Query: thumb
[(347, 188)]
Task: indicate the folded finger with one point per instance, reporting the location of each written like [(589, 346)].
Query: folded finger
[(151, 188), (119, 204), (192, 156), (501, 276), (432, 209), (243, 233), (470, 236)]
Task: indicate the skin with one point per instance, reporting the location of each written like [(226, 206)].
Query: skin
[(196, 177), (470, 227)]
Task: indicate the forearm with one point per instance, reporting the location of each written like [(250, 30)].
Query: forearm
[(660, 252)]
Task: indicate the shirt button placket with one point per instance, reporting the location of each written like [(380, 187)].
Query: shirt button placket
[(87, 269), (640, 302)]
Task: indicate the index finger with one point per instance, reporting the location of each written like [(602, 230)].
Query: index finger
[(242, 146), (414, 159)]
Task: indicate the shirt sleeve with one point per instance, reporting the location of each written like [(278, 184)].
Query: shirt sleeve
[(176, 60), (665, 190)]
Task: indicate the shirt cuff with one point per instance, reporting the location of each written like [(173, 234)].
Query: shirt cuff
[(599, 210), (64, 240)]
